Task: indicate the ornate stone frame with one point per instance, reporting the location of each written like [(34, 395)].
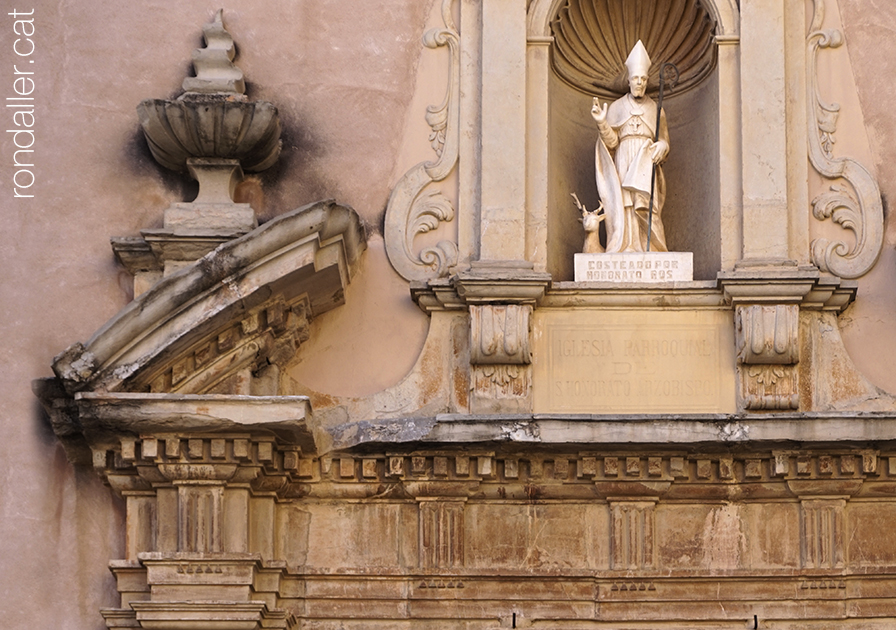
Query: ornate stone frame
[(538, 68)]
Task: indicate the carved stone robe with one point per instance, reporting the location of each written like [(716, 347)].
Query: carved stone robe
[(624, 182)]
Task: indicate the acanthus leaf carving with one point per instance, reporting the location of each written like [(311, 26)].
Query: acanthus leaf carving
[(861, 213), (770, 387), (409, 212)]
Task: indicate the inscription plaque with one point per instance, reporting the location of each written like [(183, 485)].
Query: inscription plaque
[(635, 267), (592, 361)]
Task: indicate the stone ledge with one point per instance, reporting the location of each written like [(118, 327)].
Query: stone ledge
[(680, 295), (126, 414), (641, 429), (816, 293)]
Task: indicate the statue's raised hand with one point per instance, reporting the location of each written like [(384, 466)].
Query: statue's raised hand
[(598, 112)]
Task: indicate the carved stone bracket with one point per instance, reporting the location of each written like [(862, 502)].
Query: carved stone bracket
[(499, 350), (768, 334), (500, 382), (855, 206), (767, 340), (499, 334), (410, 212), (767, 300), (500, 297)]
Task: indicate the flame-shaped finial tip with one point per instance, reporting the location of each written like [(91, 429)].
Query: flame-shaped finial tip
[(215, 72)]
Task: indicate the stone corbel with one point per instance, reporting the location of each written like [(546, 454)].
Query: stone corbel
[(499, 352), (501, 297), (499, 334), (767, 301), (767, 353)]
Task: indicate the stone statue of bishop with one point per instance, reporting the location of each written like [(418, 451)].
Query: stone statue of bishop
[(625, 155)]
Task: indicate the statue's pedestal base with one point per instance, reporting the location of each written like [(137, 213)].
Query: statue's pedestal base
[(635, 267)]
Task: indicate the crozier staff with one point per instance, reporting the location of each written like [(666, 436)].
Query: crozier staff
[(624, 159)]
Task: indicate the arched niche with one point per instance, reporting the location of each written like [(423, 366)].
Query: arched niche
[(703, 203)]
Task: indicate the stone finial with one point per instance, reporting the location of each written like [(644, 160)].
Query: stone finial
[(214, 133), (215, 72)]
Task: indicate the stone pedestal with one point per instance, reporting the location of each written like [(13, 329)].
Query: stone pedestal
[(635, 267)]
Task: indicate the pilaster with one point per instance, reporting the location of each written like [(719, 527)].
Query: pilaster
[(766, 225), (197, 503), (502, 231)]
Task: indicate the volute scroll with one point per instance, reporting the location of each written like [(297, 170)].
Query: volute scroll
[(409, 211), (855, 206)]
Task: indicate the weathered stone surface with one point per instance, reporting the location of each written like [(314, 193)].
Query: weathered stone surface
[(225, 286), (779, 515), (629, 361), (104, 416)]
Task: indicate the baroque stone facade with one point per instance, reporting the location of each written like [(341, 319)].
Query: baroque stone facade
[(397, 409)]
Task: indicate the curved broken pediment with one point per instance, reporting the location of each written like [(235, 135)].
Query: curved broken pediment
[(244, 305)]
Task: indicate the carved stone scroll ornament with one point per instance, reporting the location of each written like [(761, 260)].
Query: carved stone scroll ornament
[(410, 212), (856, 206), (767, 354)]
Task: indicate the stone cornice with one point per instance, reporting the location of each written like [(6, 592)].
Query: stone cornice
[(679, 295), (808, 288), (508, 472), (643, 430), (106, 418)]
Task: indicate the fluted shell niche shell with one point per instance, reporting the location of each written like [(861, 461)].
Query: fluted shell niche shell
[(204, 128), (592, 39)]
